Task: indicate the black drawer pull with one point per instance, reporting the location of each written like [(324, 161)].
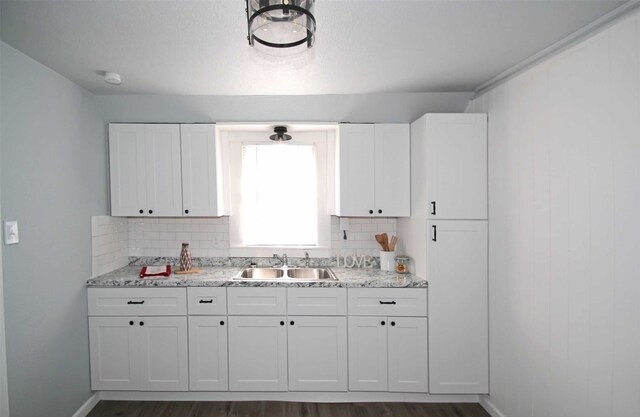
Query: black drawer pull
[(387, 302), (206, 301), (433, 208), (135, 302), (435, 233)]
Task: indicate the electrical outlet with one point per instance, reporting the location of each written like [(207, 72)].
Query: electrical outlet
[(11, 232), (344, 223)]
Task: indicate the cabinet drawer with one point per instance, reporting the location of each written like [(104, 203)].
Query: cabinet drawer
[(387, 301), (317, 301), (207, 301), (259, 301), (137, 301)]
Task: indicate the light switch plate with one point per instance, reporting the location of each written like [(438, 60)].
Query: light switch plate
[(11, 232), (344, 223)]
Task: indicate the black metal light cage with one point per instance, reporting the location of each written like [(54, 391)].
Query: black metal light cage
[(286, 6)]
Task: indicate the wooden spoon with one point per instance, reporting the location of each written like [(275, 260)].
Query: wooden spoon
[(380, 241), (393, 243), (385, 242)]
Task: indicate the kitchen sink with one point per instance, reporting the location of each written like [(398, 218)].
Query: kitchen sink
[(285, 274), (261, 273)]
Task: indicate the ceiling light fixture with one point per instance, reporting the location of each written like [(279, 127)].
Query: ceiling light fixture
[(281, 23), (280, 134)]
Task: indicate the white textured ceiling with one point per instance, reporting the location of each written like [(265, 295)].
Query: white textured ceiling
[(363, 46)]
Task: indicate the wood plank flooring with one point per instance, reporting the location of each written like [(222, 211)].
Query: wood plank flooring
[(282, 409)]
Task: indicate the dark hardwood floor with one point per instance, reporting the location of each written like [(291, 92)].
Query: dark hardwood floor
[(281, 409)]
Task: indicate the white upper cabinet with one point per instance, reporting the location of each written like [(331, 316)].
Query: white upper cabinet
[(372, 170), (164, 170), (127, 165), (164, 194), (456, 166), (198, 145)]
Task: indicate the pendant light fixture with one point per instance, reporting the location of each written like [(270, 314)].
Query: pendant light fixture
[(283, 24), (280, 134)]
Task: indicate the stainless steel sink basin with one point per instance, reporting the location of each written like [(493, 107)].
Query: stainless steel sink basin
[(311, 273), (285, 274), (261, 273)]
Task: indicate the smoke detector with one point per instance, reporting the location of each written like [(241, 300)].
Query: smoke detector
[(280, 134), (112, 78)]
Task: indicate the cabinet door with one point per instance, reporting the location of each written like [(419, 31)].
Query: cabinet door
[(317, 353), (257, 353), (164, 363), (164, 183), (199, 188), (113, 352), (458, 310), (367, 354), (356, 177), (407, 358), (456, 164), (127, 170), (208, 366), (392, 170)]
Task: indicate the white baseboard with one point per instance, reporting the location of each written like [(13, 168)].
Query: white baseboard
[(86, 408), (490, 407), (316, 397)]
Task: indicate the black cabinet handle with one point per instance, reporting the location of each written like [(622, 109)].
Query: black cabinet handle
[(387, 302), (221, 323), (379, 211), (282, 323), (292, 322), (135, 302), (142, 323), (433, 208), (206, 301), (141, 211), (131, 323), (370, 211), (187, 211), (435, 233), (393, 323), (150, 211), (383, 323)]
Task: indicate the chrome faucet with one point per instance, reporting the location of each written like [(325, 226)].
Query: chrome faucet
[(306, 260), (282, 259)]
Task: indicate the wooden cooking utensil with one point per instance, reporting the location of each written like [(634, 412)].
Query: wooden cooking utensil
[(385, 242), (393, 242), (380, 240)]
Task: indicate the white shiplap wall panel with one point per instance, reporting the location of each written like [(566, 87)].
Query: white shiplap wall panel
[(564, 205)]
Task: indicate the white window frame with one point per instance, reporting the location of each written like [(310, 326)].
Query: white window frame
[(235, 140)]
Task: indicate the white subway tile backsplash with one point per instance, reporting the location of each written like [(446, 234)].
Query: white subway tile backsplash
[(109, 244)]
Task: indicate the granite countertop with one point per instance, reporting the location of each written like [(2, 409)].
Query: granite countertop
[(220, 276)]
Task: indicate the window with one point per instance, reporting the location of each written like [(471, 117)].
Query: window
[(278, 194)]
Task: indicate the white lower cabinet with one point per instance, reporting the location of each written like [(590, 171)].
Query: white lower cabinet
[(257, 353), (208, 361), (367, 354), (317, 353), (388, 354), (139, 353)]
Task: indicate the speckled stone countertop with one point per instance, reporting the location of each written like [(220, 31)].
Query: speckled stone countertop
[(220, 276)]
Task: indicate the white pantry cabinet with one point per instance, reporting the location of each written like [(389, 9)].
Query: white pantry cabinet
[(164, 170), (144, 161), (458, 307), (317, 349), (455, 160), (138, 353), (257, 353), (372, 170), (208, 365)]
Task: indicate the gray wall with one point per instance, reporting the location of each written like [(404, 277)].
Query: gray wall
[(54, 178), (381, 108)]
